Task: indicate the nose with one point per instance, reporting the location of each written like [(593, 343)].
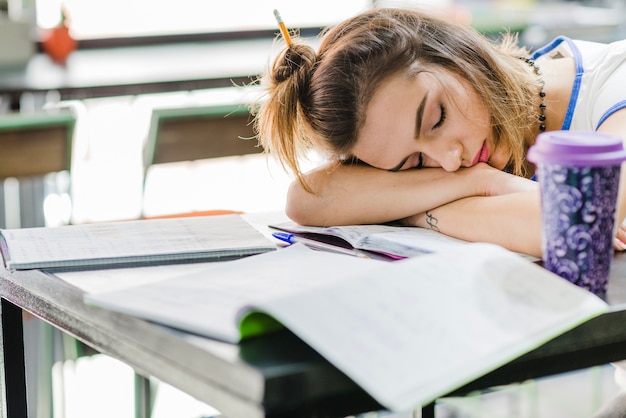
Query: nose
[(451, 157)]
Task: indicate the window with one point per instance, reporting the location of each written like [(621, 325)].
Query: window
[(96, 19)]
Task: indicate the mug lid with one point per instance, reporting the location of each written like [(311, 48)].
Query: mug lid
[(577, 148)]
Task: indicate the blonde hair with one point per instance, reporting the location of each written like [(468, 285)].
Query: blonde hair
[(319, 100)]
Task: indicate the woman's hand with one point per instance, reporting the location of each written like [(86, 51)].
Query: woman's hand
[(496, 182), (620, 238)]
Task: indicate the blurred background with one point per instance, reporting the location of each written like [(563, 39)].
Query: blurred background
[(122, 99), (119, 60)]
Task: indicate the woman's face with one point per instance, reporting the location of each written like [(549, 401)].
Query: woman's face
[(427, 121)]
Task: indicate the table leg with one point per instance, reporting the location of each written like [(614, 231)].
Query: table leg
[(12, 364), (428, 411), (143, 397), (6, 104)]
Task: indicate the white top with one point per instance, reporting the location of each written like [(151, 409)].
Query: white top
[(599, 89)]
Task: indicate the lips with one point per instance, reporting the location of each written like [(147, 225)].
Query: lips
[(482, 156)]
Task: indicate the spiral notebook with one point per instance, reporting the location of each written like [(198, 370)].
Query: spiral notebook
[(132, 243)]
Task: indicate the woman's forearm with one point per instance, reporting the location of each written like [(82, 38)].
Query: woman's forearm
[(512, 220), (360, 194)]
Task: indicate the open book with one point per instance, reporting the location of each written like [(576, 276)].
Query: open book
[(132, 243), (407, 332), (393, 241)]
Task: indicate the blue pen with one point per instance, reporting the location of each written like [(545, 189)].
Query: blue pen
[(316, 245)]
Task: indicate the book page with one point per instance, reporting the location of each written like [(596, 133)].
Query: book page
[(109, 280), (416, 329), (208, 302), (352, 234), (413, 241), (395, 241)]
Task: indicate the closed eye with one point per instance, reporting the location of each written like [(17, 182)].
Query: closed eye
[(420, 162), (442, 118)]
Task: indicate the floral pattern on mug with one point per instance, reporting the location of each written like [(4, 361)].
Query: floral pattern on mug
[(578, 217)]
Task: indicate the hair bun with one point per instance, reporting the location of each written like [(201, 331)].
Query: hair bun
[(296, 59)]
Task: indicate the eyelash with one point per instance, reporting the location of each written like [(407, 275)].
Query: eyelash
[(442, 119), (420, 162)]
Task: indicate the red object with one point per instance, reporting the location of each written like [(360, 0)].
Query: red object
[(59, 44)]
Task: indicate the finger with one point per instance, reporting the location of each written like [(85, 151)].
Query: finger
[(619, 242)]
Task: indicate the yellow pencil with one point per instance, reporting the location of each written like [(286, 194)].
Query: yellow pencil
[(283, 28)]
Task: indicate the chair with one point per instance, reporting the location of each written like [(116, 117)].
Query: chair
[(189, 134), (34, 145), (199, 132)]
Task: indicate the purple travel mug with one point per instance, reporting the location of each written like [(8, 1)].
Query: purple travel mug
[(578, 175)]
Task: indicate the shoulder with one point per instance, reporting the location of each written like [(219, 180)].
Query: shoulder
[(615, 122), (580, 50), (598, 90)]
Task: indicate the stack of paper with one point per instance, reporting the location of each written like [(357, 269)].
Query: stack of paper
[(132, 243)]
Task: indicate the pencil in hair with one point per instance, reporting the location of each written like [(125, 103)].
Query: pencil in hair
[(283, 28)]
